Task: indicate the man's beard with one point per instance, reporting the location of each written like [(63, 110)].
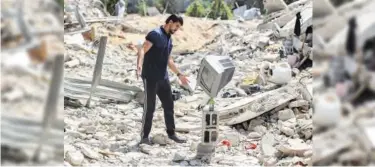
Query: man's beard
[(171, 32)]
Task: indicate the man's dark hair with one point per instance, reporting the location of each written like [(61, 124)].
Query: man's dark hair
[(175, 18)]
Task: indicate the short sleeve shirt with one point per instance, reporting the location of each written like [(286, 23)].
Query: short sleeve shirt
[(155, 61)]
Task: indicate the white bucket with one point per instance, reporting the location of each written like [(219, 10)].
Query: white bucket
[(281, 73), (327, 110)]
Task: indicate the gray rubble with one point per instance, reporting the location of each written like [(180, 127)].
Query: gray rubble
[(259, 119), (346, 138)]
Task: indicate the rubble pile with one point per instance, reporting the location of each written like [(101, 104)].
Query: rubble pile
[(343, 91), (265, 111), (28, 52)]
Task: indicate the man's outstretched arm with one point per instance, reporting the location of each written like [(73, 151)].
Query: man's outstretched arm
[(174, 68)]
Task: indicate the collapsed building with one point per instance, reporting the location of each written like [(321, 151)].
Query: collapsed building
[(343, 85), (263, 114)]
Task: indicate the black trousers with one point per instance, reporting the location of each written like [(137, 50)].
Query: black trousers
[(162, 88)]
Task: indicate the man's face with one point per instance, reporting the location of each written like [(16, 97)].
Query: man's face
[(173, 27)]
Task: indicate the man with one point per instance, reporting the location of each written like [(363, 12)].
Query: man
[(155, 57)]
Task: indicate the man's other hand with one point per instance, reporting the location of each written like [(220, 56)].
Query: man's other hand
[(139, 71), (183, 79)]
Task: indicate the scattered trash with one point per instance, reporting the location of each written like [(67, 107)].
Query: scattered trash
[(176, 95), (247, 102), (226, 143), (251, 146)]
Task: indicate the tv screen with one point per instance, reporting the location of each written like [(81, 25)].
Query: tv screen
[(207, 78)]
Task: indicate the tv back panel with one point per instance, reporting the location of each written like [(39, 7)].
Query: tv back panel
[(214, 73)]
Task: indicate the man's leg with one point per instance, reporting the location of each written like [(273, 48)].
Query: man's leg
[(164, 93), (148, 108)]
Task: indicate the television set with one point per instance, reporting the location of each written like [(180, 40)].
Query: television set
[(214, 73)]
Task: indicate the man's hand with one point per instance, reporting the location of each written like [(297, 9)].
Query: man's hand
[(183, 79), (139, 71)]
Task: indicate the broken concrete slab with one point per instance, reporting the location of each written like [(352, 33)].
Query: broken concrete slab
[(306, 21), (281, 21), (252, 107), (322, 8), (363, 33), (95, 19), (274, 5)]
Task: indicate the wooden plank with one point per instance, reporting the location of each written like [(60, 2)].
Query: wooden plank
[(100, 89), (21, 135), (22, 121), (98, 67), (80, 18), (74, 93), (50, 111), (103, 82)]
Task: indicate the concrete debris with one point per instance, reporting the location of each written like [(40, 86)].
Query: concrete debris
[(256, 107), (286, 114), (179, 156), (159, 139), (330, 143), (153, 11), (233, 138), (263, 42), (74, 158), (294, 147), (260, 129), (250, 108), (357, 156), (270, 162), (254, 135), (267, 145), (90, 153), (287, 131), (72, 63), (274, 5), (252, 13), (298, 103), (149, 150)]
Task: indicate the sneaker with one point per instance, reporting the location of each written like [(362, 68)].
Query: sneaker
[(176, 139), (146, 141)]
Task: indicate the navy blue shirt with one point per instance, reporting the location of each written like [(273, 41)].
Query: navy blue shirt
[(155, 61)]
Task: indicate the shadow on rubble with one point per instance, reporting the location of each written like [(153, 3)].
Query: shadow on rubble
[(13, 155), (366, 96)]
